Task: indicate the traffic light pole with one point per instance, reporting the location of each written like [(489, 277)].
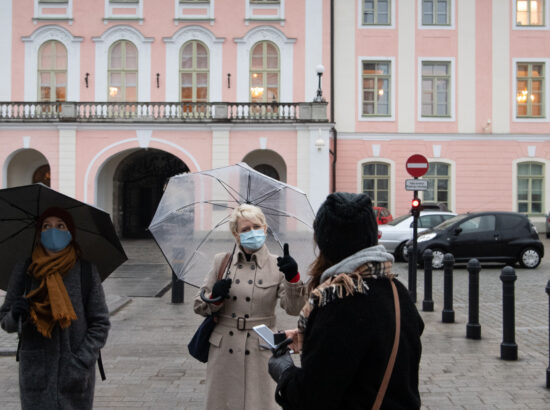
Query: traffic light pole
[(413, 257)]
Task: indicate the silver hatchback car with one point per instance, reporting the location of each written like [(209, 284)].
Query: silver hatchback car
[(396, 233)]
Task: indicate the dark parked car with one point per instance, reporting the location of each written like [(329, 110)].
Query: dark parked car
[(434, 206), (506, 237)]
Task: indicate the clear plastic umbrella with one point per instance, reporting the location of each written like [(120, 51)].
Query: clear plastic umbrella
[(191, 223)]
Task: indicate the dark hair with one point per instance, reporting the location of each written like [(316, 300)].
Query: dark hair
[(316, 269)]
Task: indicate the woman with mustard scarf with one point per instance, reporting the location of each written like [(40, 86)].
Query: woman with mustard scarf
[(63, 325)]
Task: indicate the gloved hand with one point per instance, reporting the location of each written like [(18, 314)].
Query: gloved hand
[(20, 308), (277, 365), (221, 288), (287, 265)]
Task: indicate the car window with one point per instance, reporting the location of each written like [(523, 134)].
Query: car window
[(445, 217), (429, 221), (511, 222), (451, 221), (398, 220), (482, 223)]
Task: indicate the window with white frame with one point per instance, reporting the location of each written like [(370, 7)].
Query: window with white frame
[(530, 187), (376, 12), (194, 72), (376, 183), (436, 88), (265, 1), (52, 71), (530, 12), (123, 72), (264, 72), (376, 88), (530, 90), (194, 1), (436, 12), (53, 1), (123, 1), (438, 178)]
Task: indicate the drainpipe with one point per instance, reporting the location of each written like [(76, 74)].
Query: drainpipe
[(334, 132)]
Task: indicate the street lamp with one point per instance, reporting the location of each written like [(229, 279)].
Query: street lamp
[(319, 97)]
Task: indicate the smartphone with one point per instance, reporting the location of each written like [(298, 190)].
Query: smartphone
[(272, 339)]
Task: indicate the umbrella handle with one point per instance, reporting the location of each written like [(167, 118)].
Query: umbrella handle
[(208, 300)]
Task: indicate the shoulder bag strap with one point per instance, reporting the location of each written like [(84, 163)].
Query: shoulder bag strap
[(391, 362), (223, 265)]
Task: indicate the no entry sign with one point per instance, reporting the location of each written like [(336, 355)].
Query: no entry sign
[(417, 165)]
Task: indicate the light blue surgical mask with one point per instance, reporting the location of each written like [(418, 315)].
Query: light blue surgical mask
[(55, 240), (253, 239)]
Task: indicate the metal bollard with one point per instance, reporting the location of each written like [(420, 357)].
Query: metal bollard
[(177, 289), (508, 347), (412, 273), (448, 314), (473, 328), (548, 369), (428, 303)]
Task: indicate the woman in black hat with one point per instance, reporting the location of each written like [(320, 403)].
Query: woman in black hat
[(359, 333)]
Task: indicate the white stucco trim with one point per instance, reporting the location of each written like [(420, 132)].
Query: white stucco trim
[(6, 35), (501, 97), (514, 181), (313, 48), (110, 6), (102, 45), (319, 166), (360, 62), (215, 54), (452, 97), (546, 91), (66, 10), (451, 25), (33, 43), (286, 61), (466, 70), (388, 161), (406, 47), (180, 7), (452, 180)]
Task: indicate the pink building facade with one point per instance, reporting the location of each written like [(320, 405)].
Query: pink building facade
[(109, 98)]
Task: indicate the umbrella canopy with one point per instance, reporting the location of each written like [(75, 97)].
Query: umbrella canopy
[(20, 208), (191, 221)]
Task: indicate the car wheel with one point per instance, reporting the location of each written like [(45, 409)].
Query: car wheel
[(402, 252), (529, 258), (437, 261)]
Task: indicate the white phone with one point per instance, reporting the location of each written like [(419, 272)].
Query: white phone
[(266, 334)]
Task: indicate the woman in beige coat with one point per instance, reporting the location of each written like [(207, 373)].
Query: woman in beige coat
[(236, 376)]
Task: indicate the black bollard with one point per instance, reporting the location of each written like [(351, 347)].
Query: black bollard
[(473, 328), (177, 289), (412, 273), (428, 303), (548, 369), (448, 314), (508, 347)]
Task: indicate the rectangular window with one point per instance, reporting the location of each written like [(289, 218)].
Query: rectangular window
[(436, 89), (376, 12), (530, 12), (436, 12), (438, 183), (530, 188), (265, 1), (376, 183), (123, 1), (530, 90), (376, 88), (194, 1), (53, 1)]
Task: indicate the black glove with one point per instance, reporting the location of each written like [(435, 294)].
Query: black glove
[(20, 308), (277, 365), (287, 264), (221, 288)]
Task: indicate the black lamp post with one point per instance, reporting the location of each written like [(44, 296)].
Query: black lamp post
[(319, 97)]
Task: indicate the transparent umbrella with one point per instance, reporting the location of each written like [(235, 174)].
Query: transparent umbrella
[(191, 223)]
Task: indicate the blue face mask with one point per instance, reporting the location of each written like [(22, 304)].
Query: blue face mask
[(55, 240), (253, 239)]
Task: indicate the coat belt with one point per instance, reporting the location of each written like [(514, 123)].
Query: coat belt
[(244, 323)]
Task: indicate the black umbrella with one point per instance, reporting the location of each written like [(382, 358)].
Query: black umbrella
[(20, 208)]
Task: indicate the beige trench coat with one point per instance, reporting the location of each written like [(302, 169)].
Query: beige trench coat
[(236, 374)]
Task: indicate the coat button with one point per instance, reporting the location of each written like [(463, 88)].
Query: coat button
[(252, 267), (240, 266), (248, 298), (247, 334), (237, 281), (247, 316), (234, 297), (231, 351), (260, 282), (247, 352), (230, 333), (250, 281), (233, 315)]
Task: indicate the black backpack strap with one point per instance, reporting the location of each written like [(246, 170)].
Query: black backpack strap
[(85, 286), (28, 284)]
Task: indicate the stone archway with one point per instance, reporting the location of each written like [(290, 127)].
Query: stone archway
[(138, 183), (268, 163), (27, 167)]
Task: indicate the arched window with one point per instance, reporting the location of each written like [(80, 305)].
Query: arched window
[(438, 183), (376, 183), (194, 72), (123, 72), (52, 71), (264, 72), (530, 187)]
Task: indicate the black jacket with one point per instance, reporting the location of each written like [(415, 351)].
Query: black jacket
[(346, 348)]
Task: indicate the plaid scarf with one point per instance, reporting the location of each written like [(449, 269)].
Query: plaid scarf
[(341, 285)]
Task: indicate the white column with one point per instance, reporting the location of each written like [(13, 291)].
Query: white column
[(303, 148), (406, 63), (5, 49), (67, 161), (313, 46), (220, 147), (466, 70), (501, 68), (319, 166)]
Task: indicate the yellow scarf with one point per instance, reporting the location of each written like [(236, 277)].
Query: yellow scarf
[(50, 302)]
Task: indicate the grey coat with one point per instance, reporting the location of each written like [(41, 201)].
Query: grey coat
[(236, 374), (59, 373)]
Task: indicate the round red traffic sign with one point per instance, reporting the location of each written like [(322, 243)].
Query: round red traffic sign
[(417, 165)]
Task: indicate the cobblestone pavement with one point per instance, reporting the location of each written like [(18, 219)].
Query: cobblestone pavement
[(148, 366)]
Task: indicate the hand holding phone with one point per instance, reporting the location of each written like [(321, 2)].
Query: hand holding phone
[(273, 340)]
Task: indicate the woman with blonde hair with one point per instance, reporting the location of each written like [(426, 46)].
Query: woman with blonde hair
[(236, 374)]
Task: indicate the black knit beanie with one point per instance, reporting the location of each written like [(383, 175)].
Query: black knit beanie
[(345, 224)]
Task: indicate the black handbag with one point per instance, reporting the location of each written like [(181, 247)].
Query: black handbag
[(200, 345)]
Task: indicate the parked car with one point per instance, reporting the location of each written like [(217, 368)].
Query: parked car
[(506, 237), (434, 206), (395, 234), (548, 225), (383, 216)]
